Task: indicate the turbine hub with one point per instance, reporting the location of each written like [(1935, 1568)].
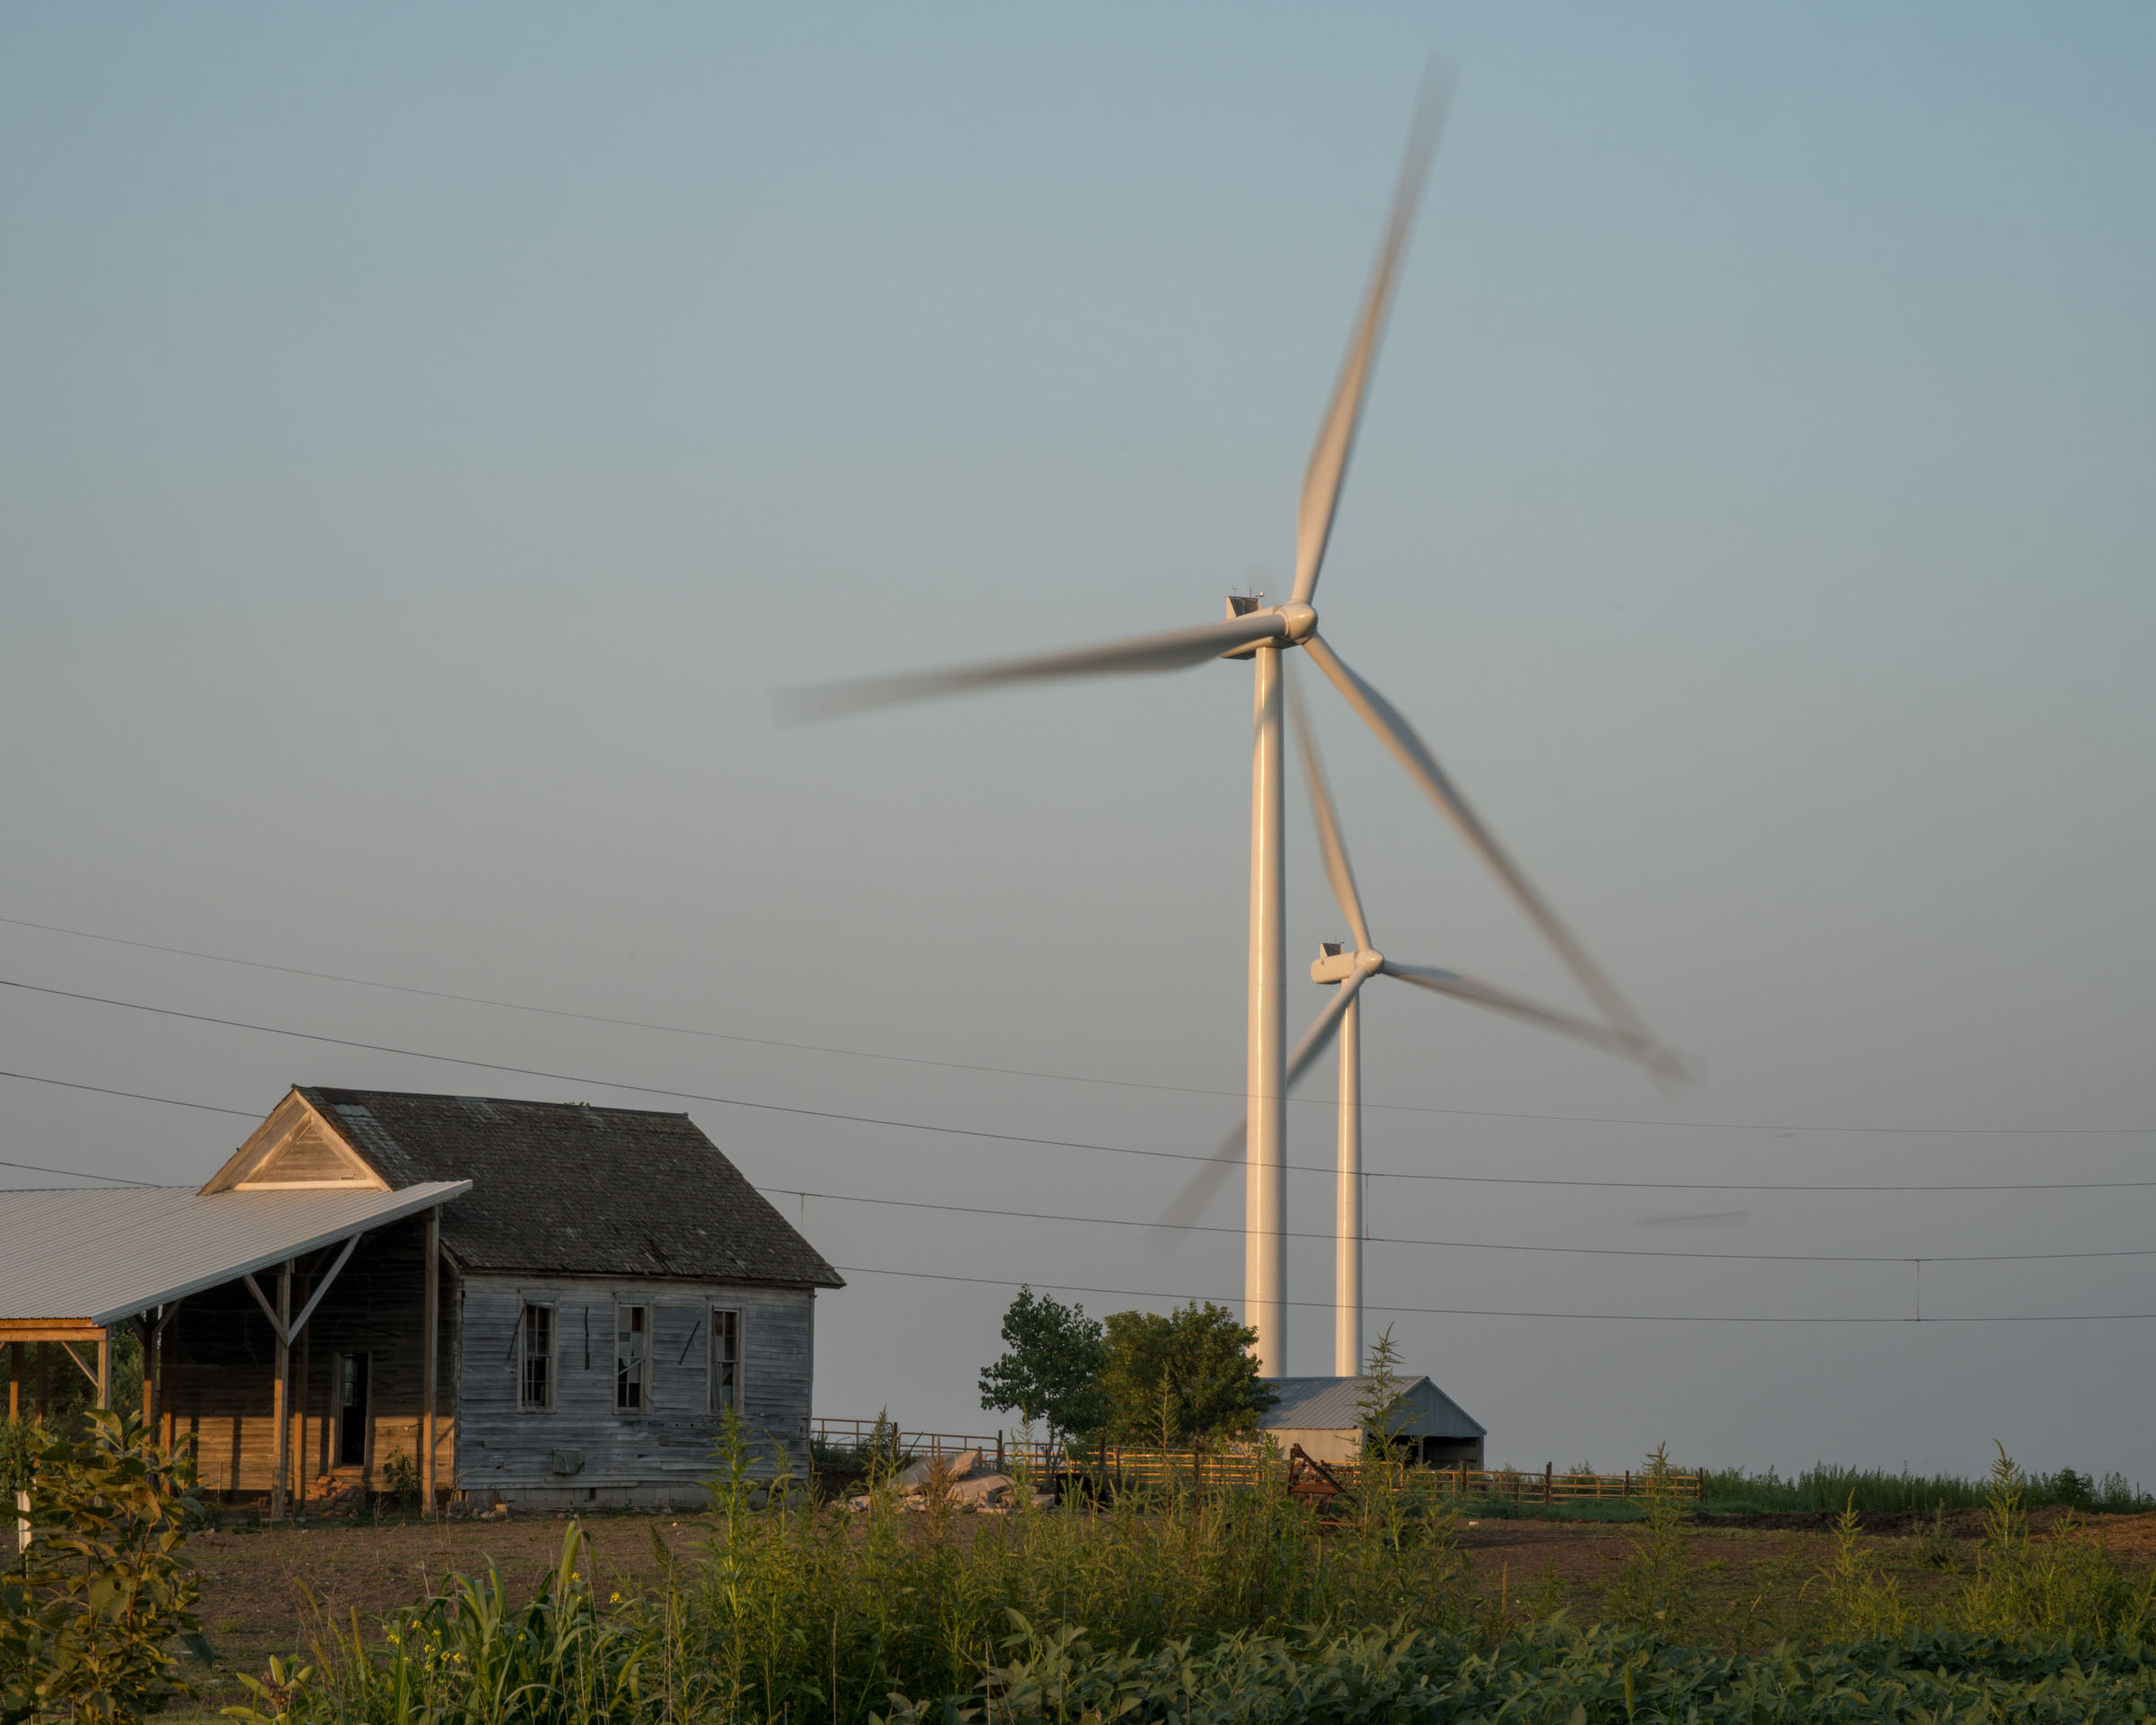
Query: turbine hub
[(1301, 621)]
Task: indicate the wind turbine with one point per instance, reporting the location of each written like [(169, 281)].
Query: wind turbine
[(1264, 635), (1348, 969)]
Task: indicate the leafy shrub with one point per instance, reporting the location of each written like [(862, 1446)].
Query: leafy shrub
[(87, 1627), (400, 1481), (2067, 1583), (1654, 1591)]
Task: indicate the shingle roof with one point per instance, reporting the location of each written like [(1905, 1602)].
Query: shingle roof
[(571, 1190), (1331, 1404)]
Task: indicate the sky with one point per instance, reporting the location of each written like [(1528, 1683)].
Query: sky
[(429, 438)]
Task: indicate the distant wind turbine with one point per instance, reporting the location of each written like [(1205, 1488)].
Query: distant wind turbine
[(1348, 969), (1264, 636)]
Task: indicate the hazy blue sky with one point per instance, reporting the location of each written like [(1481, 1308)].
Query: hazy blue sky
[(426, 439)]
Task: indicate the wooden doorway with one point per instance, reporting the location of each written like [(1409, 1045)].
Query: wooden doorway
[(351, 1410)]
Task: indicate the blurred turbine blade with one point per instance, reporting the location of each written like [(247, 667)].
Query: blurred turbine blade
[(1411, 751), (1171, 651), (1213, 1173), (1336, 437), (1330, 841), (1488, 995)]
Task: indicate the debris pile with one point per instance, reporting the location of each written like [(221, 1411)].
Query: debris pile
[(959, 1482)]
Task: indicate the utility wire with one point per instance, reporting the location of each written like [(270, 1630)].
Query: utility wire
[(1061, 1077), (1055, 1144), (1200, 1228), (76, 1173), (1485, 1312), (1487, 1245)]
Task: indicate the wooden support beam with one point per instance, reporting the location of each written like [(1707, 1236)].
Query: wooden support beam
[(16, 1359), (104, 1370), (281, 1391), (431, 1259)]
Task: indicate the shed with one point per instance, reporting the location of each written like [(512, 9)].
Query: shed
[(1325, 1416)]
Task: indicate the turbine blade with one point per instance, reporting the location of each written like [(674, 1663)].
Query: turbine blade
[(1213, 1173), (1336, 437), (1657, 1059), (1171, 651), (1411, 751), (1334, 846)]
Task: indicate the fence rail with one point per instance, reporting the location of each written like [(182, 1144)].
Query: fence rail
[(1233, 1467)]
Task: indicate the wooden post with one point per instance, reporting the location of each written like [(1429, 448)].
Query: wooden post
[(431, 1302), (15, 1380), (1549, 1472), (104, 1370), (280, 1393), (299, 1416)]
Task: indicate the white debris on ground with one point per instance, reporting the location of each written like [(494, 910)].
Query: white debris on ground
[(966, 1489)]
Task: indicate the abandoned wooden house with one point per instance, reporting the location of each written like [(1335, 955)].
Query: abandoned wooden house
[(466, 1297), (1327, 1416)]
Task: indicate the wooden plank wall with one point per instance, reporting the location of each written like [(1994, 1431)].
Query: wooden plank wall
[(222, 1360), (661, 1456)]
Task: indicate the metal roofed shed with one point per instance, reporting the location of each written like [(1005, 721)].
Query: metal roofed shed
[(72, 1263), (1325, 1416)]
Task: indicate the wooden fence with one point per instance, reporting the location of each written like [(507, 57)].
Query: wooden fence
[(1237, 1467)]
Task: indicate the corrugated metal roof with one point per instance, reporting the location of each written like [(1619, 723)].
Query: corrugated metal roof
[(1330, 1404), (101, 1256)]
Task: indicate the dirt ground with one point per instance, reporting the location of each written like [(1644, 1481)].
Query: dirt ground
[(263, 1589)]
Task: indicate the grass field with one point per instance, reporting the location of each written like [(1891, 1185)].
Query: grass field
[(273, 1591)]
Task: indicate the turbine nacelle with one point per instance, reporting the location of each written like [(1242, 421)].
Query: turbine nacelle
[(1337, 961), (1294, 623)]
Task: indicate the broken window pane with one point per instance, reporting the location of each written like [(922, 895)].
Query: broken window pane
[(726, 1360), (631, 1358), (535, 1374)]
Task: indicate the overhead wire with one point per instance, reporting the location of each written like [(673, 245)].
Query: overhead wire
[(1490, 1312), (1484, 1245), (1022, 1138), (1195, 1227), (1845, 1129)]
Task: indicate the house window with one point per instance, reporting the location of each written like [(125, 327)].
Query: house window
[(726, 1360), (536, 1360), (631, 1358)]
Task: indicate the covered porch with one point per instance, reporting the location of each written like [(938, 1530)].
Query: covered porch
[(76, 1267)]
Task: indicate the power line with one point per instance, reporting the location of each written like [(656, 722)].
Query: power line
[(76, 1173), (1060, 1077), (133, 1095), (1485, 1312), (1484, 1245), (1042, 1143)]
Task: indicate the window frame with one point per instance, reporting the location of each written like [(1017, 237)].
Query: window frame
[(620, 1308), (523, 1355), (714, 1404)]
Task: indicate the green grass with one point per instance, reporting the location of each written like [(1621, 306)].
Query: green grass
[(1829, 1488)]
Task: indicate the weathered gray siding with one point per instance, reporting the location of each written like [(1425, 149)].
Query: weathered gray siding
[(661, 1456)]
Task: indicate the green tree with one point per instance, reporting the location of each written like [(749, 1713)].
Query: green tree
[(1183, 1375), (1051, 1371)]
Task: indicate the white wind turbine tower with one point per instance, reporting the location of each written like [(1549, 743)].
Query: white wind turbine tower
[(1264, 636), (1348, 969)]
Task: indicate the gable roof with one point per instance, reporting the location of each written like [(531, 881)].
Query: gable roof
[(1330, 1404), (565, 1189)]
